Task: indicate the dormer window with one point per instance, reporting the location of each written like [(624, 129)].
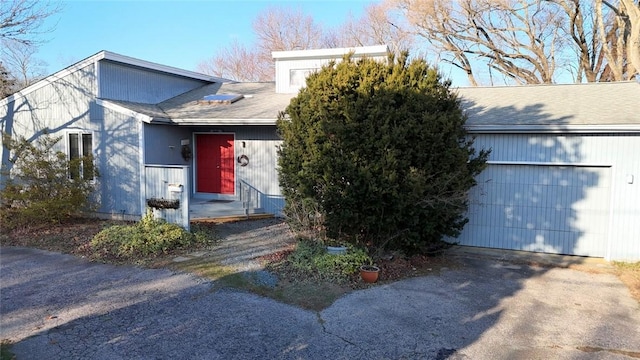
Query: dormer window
[(294, 66), (298, 77)]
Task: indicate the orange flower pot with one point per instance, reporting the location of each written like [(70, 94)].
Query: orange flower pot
[(369, 273)]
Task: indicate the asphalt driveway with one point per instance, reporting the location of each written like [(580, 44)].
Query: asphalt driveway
[(57, 306)]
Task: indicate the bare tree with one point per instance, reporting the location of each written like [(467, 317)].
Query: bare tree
[(20, 60), (22, 20), (632, 12), (238, 63), (6, 82), (623, 50), (583, 28), (280, 29), (518, 38), (381, 23), (276, 29)]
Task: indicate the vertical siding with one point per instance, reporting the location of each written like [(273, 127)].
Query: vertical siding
[(283, 68), (117, 157), (261, 147), (158, 179), (163, 144), (61, 105), (553, 209), (68, 104), (606, 149), (129, 83)]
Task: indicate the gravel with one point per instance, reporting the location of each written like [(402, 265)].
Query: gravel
[(243, 242)]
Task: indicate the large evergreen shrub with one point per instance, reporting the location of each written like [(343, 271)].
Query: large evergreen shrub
[(381, 149)]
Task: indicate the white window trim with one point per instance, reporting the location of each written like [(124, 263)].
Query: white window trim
[(80, 132)]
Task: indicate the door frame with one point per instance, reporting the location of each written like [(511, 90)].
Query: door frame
[(194, 173)]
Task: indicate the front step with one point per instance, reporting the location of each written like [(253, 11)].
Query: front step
[(232, 218), (207, 209)]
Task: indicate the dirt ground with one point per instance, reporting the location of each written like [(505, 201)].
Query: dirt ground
[(73, 237)]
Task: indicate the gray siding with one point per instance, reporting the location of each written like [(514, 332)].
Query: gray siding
[(592, 152), (68, 104), (261, 146), (261, 174), (162, 144), (284, 68), (117, 156), (158, 179), (128, 83), (63, 105)]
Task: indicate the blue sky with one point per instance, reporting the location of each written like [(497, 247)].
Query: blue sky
[(175, 33)]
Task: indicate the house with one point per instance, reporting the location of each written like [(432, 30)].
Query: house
[(564, 171), (563, 175), (206, 144)]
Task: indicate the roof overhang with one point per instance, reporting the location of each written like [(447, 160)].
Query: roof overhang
[(181, 122), (107, 55), (376, 50), (207, 122), (553, 129), (123, 110)]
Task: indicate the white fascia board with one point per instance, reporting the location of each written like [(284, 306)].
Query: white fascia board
[(376, 50), (192, 122), (123, 110), (162, 68), (113, 57), (547, 163), (552, 129)]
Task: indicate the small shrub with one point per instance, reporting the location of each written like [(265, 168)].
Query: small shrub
[(311, 260), (149, 237), (305, 218), (38, 188)]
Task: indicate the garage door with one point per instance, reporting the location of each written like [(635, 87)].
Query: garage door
[(542, 208)]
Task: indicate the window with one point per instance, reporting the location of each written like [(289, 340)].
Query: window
[(298, 77), (80, 146)]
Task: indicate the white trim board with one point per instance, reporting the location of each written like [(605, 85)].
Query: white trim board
[(214, 122), (552, 129), (375, 50), (107, 55), (538, 163)]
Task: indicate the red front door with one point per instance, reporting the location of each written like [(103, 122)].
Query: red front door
[(215, 164)]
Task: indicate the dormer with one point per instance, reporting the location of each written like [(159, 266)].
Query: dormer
[(293, 67)]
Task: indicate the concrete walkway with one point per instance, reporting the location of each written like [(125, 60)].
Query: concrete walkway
[(56, 306)]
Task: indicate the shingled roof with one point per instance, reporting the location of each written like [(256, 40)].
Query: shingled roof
[(604, 105), (259, 105)]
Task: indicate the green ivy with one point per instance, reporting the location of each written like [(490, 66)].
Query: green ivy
[(311, 259), (148, 237)]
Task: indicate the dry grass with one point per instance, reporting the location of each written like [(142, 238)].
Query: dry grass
[(629, 274)]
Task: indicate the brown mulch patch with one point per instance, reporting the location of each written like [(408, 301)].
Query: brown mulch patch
[(403, 267), (392, 268), (277, 256), (70, 237)]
